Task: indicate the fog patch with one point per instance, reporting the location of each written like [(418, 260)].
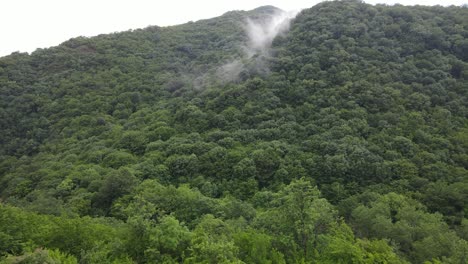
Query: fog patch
[(260, 34), (229, 71)]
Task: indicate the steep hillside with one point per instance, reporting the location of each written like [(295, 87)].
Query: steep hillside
[(340, 136)]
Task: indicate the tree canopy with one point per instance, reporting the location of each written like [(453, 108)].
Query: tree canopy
[(346, 141)]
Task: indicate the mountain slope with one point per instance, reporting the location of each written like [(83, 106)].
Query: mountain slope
[(343, 140)]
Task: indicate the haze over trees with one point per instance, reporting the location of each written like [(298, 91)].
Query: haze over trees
[(342, 139)]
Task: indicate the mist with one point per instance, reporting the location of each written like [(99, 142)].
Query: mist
[(256, 50), (260, 33)]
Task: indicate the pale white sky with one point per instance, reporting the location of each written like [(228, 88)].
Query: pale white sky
[(29, 24)]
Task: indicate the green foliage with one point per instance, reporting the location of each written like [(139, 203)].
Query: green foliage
[(298, 218), (344, 142), (42, 256), (420, 234), (212, 243), (65, 238), (255, 247)]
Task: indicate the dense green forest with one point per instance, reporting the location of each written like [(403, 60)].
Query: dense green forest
[(345, 140)]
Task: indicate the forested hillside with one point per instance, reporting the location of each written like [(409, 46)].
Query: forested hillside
[(342, 139)]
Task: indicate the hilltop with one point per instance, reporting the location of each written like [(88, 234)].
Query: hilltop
[(338, 135)]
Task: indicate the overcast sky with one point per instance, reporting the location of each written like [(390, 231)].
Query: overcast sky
[(29, 24)]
